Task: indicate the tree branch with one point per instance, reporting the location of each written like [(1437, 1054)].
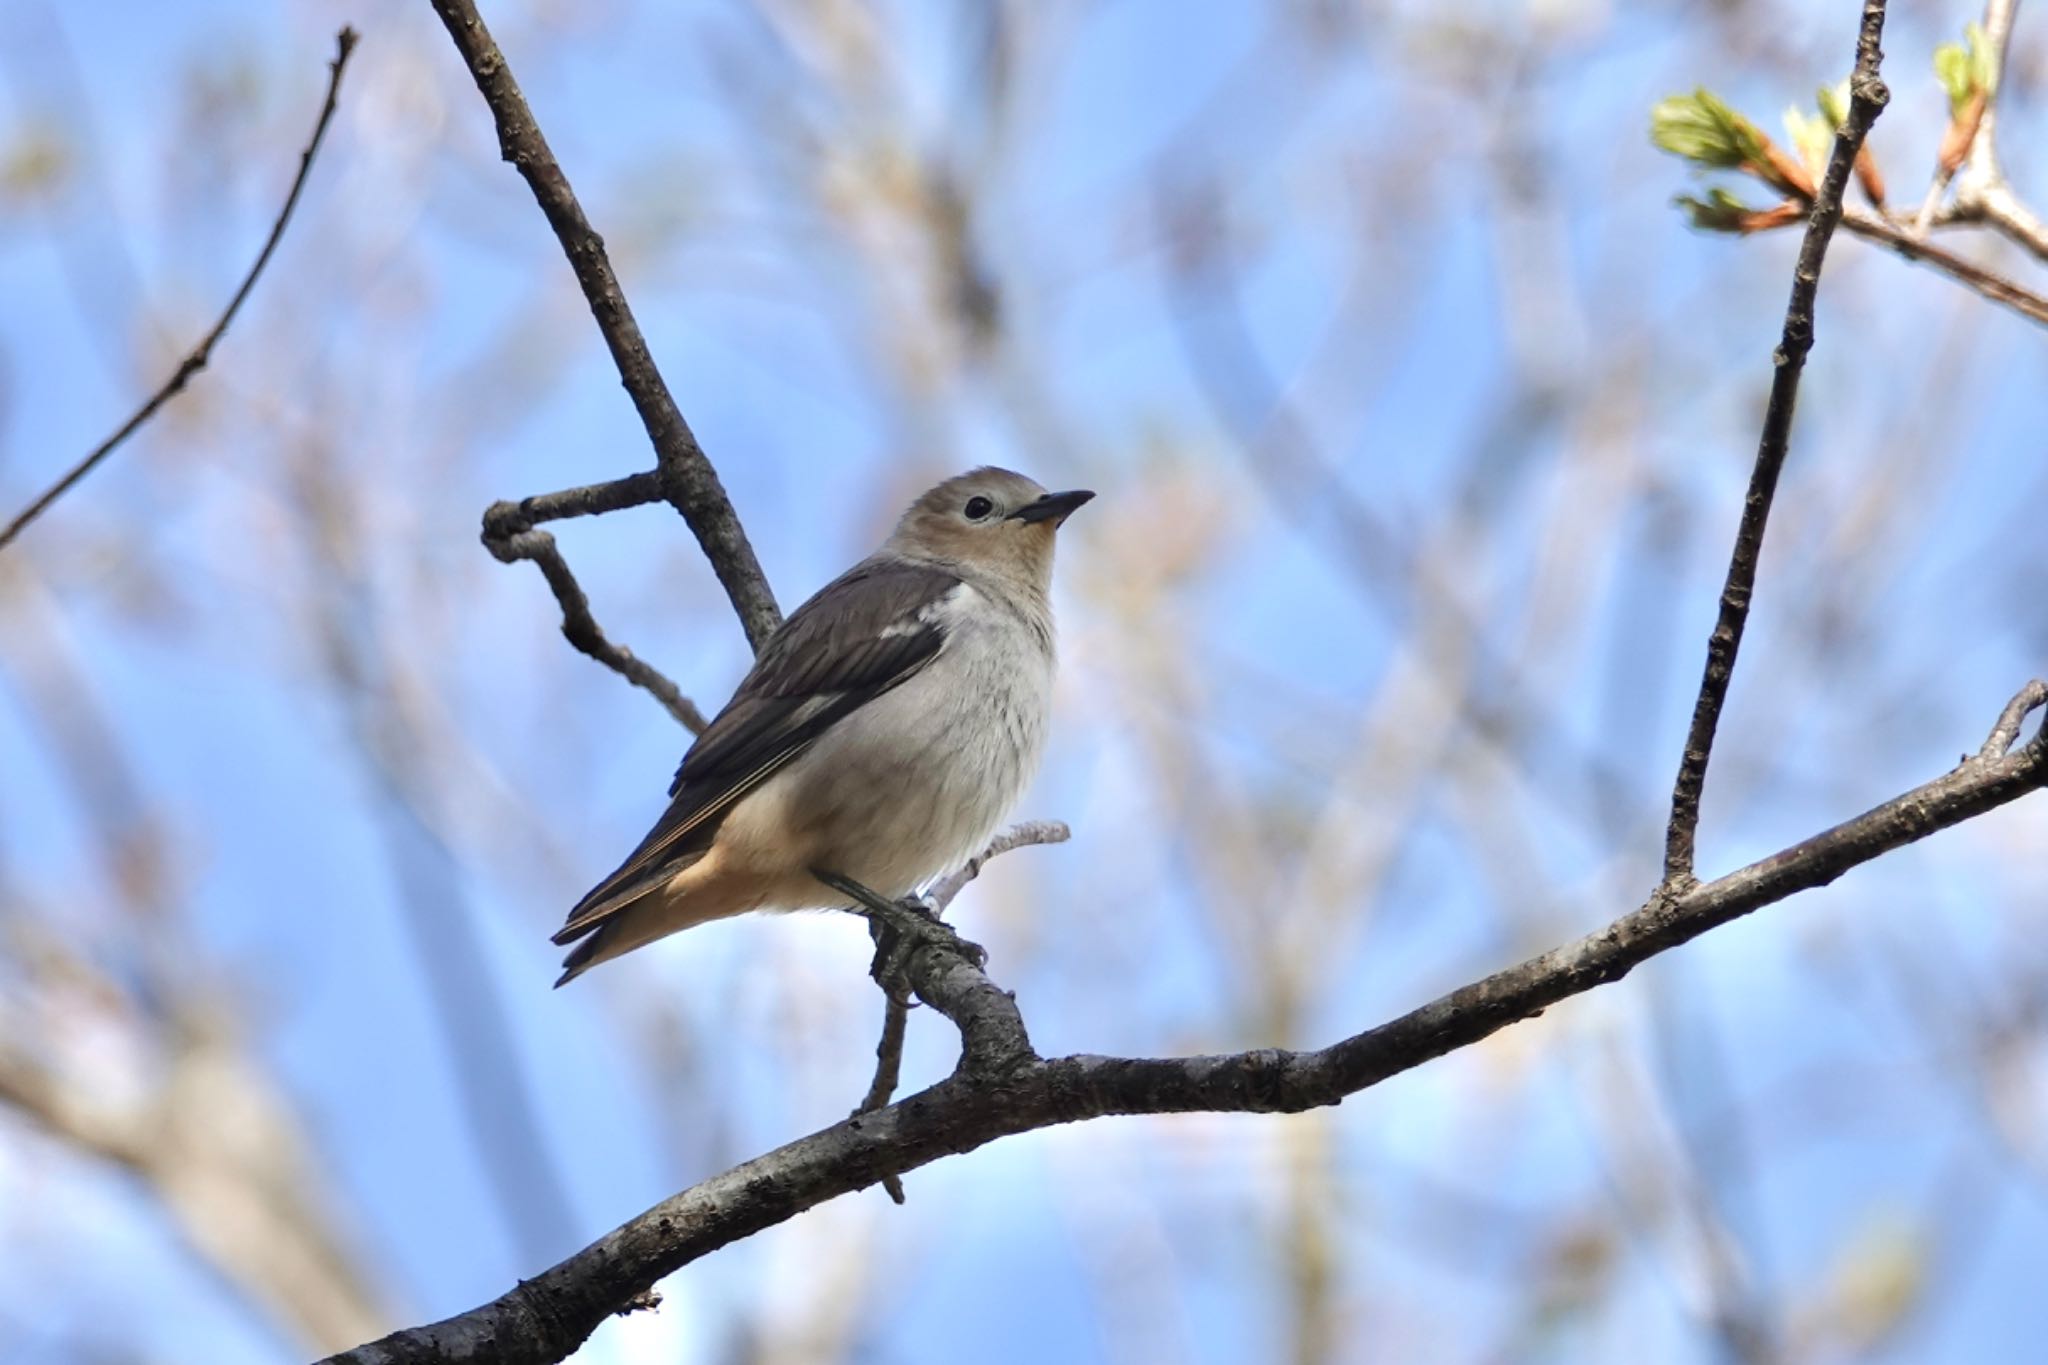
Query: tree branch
[(888, 1068), (545, 1319), (1867, 98), (686, 477), (193, 363), (579, 627), (1983, 194), (1989, 284), (503, 520)]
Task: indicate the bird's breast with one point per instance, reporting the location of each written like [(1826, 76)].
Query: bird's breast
[(915, 782)]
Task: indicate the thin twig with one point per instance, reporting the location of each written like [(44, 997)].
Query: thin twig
[(888, 1069), (688, 481), (1989, 284), (2007, 732), (544, 1319), (1024, 834), (502, 519), (1996, 205), (1929, 206), (580, 628), (1868, 97), (509, 535), (344, 44)]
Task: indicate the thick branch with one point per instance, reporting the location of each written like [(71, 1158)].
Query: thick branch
[(945, 971), (687, 479), (546, 1318), (1867, 98), (193, 363)]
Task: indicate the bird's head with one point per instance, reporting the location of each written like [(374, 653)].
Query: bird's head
[(991, 520)]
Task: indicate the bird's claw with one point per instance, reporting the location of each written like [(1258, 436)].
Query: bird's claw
[(916, 925), (899, 928)]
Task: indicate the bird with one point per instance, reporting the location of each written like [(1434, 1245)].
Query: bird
[(882, 734)]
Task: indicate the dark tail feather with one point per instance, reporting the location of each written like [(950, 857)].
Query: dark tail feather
[(583, 957)]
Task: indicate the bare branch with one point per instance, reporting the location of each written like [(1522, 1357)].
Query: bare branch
[(2007, 732), (503, 520), (888, 1069), (1025, 834), (1989, 284), (687, 479), (1867, 98), (546, 1318), (193, 363), (580, 628)]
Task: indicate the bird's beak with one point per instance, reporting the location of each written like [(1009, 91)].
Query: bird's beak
[(1053, 507)]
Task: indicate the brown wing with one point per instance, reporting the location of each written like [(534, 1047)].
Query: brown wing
[(862, 634)]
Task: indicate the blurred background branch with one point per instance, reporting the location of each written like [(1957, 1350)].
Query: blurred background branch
[(196, 360)]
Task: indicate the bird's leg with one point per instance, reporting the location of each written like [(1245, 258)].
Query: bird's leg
[(908, 923)]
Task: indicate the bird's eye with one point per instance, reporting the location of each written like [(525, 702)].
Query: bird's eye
[(978, 507)]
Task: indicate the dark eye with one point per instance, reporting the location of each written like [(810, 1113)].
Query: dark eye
[(979, 507)]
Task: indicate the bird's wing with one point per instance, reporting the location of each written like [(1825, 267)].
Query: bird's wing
[(865, 632)]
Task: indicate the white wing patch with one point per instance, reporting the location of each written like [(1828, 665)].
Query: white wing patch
[(941, 611)]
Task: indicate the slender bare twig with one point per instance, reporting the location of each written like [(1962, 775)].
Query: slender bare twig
[(1989, 284), (1002, 1087), (509, 535), (1867, 98), (2007, 732), (503, 520), (193, 363), (580, 628), (688, 481), (888, 1068), (1024, 834)]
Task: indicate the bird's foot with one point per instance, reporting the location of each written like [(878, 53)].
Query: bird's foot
[(900, 928), (897, 938)]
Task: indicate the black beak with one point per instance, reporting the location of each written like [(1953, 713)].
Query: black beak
[(1053, 507)]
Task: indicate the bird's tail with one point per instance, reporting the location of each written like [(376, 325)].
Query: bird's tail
[(603, 943), (703, 889)]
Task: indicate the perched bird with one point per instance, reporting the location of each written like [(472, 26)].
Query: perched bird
[(884, 731)]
